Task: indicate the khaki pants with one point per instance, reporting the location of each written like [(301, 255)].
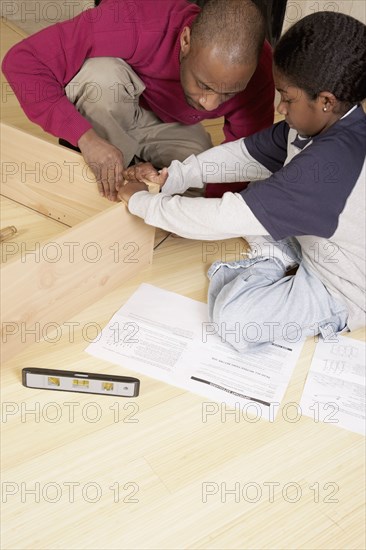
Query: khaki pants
[(106, 92)]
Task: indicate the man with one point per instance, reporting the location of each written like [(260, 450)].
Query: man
[(134, 78)]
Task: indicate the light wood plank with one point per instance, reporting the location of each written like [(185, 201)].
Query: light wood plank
[(52, 180), (61, 277)]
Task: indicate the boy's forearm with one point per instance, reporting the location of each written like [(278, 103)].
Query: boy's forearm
[(226, 163), (197, 218)]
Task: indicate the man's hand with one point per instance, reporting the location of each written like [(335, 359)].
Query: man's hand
[(140, 172), (106, 162), (145, 172)]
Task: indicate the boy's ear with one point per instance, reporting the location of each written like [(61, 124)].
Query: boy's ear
[(328, 101), (185, 41)]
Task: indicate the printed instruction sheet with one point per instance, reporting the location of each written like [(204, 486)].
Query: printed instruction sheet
[(167, 336), (335, 387)]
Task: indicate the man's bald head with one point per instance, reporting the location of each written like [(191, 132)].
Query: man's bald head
[(236, 28), (220, 52)]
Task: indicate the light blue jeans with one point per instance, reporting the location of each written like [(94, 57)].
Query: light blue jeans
[(253, 301)]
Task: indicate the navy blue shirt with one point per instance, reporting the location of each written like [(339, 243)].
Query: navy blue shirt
[(315, 185)]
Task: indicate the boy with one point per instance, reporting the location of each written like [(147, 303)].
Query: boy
[(307, 205)]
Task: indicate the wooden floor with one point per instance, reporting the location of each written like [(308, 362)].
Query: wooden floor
[(91, 472)]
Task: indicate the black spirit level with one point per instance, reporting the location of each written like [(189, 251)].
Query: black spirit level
[(83, 382)]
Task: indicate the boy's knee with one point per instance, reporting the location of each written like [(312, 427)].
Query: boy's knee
[(245, 324), (237, 330)]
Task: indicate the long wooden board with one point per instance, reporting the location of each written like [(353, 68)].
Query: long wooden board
[(54, 280), (44, 288), (49, 178)]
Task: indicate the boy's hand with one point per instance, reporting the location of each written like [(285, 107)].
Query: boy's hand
[(130, 188)]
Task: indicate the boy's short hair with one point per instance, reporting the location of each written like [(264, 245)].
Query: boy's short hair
[(325, 51)]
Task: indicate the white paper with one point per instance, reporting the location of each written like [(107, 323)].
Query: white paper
[(335, 387), (167, 336)]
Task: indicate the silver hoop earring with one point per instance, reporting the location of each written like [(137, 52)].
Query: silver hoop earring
[(325, 109)]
